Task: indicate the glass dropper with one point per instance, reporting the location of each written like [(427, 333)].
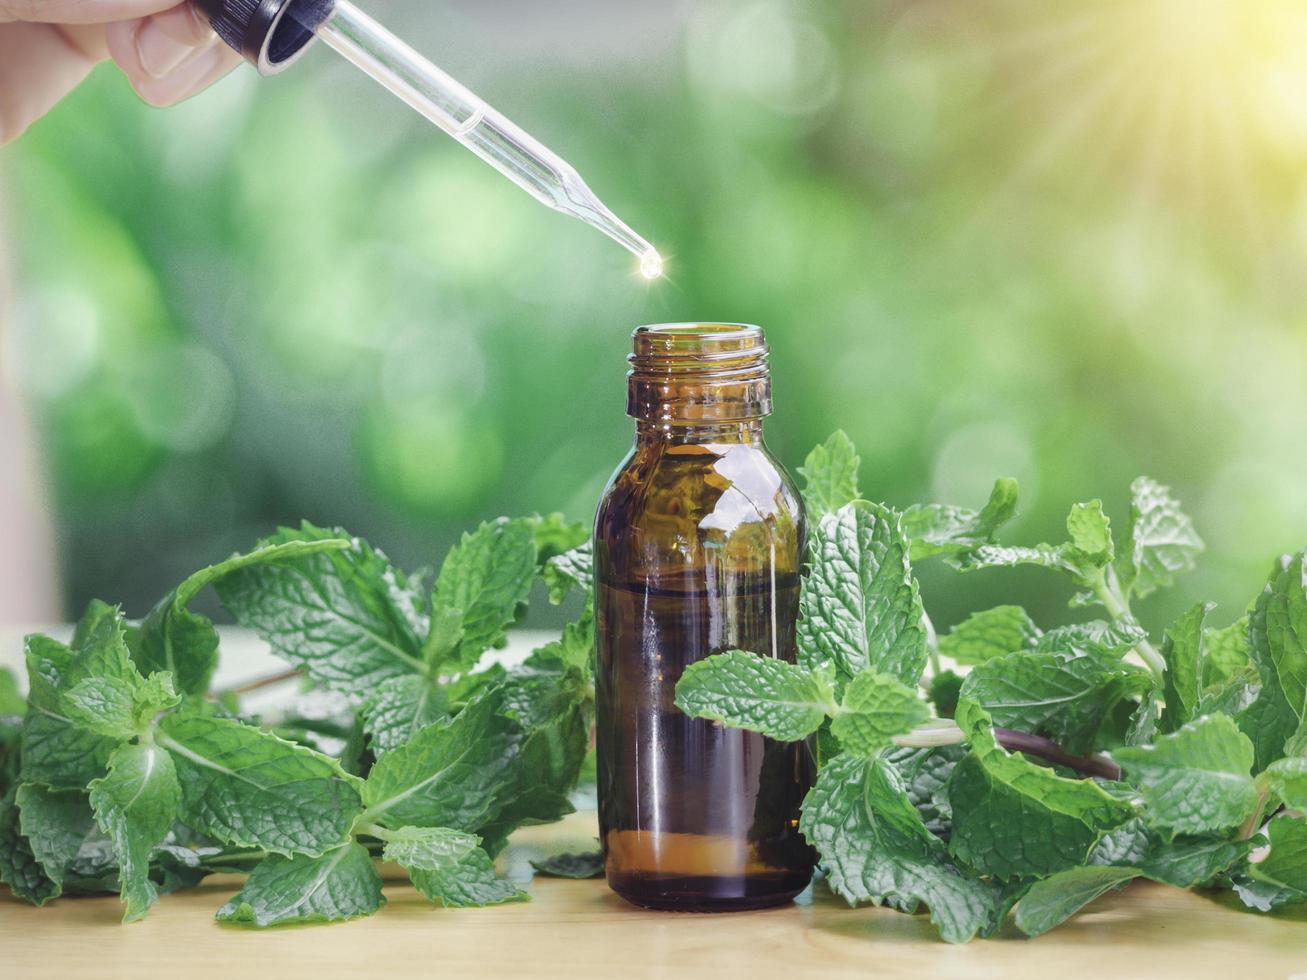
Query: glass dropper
[(483, 130)]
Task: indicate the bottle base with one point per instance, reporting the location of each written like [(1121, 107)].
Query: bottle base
[(705, 894)]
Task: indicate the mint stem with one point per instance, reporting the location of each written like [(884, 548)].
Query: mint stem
[(935, 734), (1108, 591)]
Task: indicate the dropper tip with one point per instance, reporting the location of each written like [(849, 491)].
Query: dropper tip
[(651, 264)]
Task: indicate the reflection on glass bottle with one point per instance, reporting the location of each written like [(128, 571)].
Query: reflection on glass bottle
[(698, 546)]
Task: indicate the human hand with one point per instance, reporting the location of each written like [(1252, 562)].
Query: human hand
[(166, 49)]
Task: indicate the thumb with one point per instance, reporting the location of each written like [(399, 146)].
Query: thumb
[(80, 11)]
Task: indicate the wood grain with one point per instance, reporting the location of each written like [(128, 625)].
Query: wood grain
[(579, 929)]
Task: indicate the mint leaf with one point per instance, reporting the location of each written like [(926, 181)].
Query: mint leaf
[(1181, 863), (1270, 721), (579, 866), (135, 804), (448, 774), (939, 529), (174, 639), (332, 613), (1163, 542), (761, 694), (859, 606), (56, 751), (399, 708), (340, 884), (250, 788), (874, 847), (1090, 531), (19, 867), (1287, 779), (990, 633), (486, 576), (12, 704), (1094, 639), (1013, 818), (1286, 632), (875, 708), (925, 774), (1195, 780), (1182, 649), (1064, 697), (55, 825), (1005, 556), (429, 848), (554, 534), (470, 883), (945, 686), (1054, 900), (571, 570), (1286, 865), (1227, 652), (575, 648), (830, 476)]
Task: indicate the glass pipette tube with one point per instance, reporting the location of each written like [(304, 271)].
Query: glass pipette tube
[(483, 130)]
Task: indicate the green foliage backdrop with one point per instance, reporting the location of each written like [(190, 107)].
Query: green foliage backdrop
[(1063, 243)]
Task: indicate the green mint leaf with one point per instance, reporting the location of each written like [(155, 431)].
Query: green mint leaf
[(925, 774), (1182, 649), (1227, 650), (1090, 531), (945, 687), (19, 867), (174, 639), (401, 707), (990, 633), (1286, 632), (340, 884), (575, 648), (939, 529), (487, 576), (571, 570), (471, 883), (1180, 863), (1013, 818), (761, 694), (1096, 639), (587, 865), (448, 774), (552, 709), (248, 787), (1286, 865), (875, 708), (57, 751), (55, 825), (860, 608), (875, 848), (1052, 901), (1163, 542), (1287, 779), (445, 632), (554, 534), (830, 476), (429, 848), (101, 689), (1270, 720), (1195, 780), (332, 613), (1265, 896), (1066, 698), (12, 704), (1005, 556), (135, 804)]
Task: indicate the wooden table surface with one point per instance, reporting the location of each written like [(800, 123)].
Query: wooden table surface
[(579, 929)]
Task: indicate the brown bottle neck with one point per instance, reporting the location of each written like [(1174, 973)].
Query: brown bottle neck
[(710, 378), (744, 433)]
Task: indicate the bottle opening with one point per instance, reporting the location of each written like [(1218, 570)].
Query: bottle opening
[(683, 373)]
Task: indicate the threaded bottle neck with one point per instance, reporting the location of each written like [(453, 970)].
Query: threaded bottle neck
[(688, 374)]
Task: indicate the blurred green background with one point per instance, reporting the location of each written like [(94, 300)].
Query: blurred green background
[(1063, 242)]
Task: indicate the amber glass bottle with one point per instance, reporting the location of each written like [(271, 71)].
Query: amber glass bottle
[(698, 545)]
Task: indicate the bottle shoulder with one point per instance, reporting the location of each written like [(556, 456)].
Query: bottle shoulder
[(676, 503)]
